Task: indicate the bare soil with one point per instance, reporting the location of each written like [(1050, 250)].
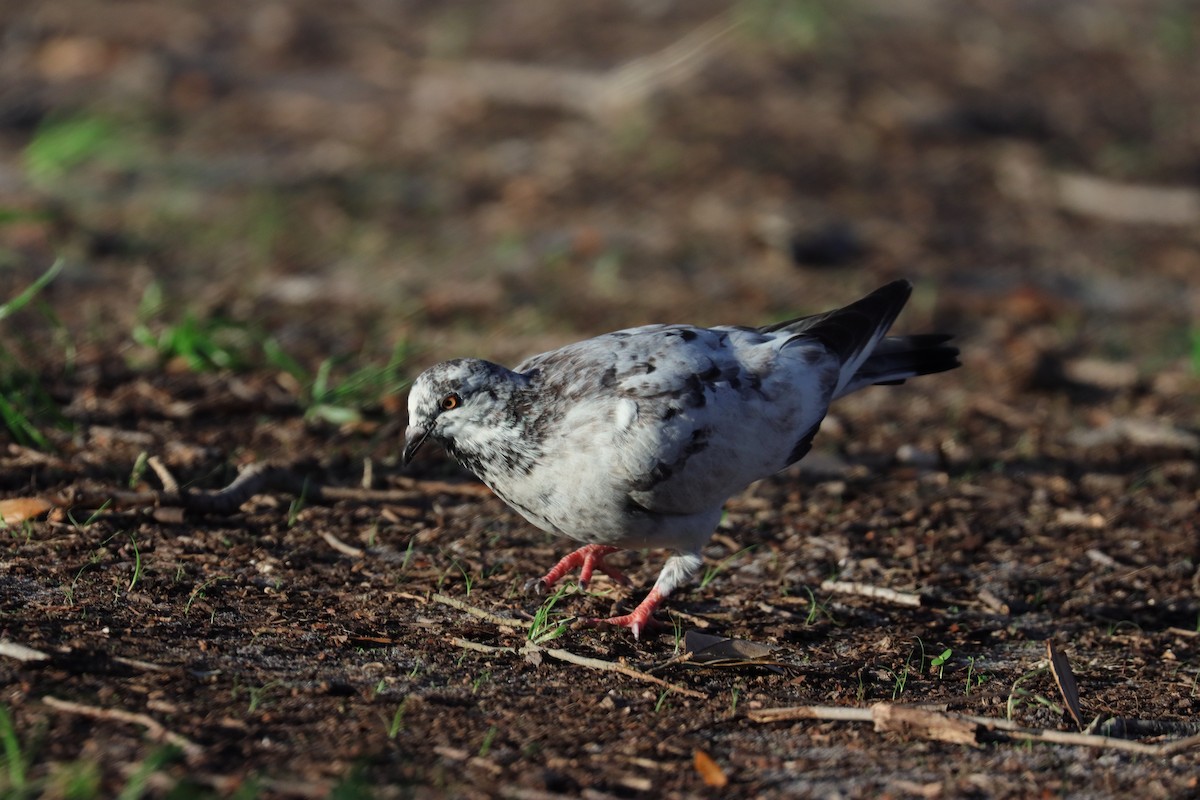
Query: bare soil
[(349, 181)]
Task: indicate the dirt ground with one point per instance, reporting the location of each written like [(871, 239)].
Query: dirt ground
[(271, 216)]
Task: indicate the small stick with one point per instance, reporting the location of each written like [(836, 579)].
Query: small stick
[(152, 726), (21, 652), (827, 713), (1001, 726), (874, 592), (340, 546), (495, 619), (611, 666), (168, 481), (479, 647)]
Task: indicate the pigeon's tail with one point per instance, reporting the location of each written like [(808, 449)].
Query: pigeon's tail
[(897, 358), (857, 334)]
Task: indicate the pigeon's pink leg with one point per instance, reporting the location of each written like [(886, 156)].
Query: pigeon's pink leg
[(678, 569), (587, 559), (638, 620)]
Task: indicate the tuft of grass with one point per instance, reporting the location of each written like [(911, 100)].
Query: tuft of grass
[(975, 678), (488, 738), (22, 397), (397, 723), (63, 144), (468, 581), (1195, 337), (138, 782), (714, 570), (1019, 696), (137, 563), (817, 609), (789, 26), (340, 401), (408, 553), (297, 505), (542, 629), (14, 764), (258, 695), (139, 469), (198, 592), (203, 345), (480, 680)]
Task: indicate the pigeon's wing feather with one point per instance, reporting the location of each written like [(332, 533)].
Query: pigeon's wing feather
[(696, 414)]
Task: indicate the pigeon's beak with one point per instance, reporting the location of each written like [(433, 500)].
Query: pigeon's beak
[(414, 437)]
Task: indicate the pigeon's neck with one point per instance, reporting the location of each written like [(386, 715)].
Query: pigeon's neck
[(508, 441)]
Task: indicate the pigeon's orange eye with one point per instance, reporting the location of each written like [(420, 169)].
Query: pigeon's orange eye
[(450, 401)]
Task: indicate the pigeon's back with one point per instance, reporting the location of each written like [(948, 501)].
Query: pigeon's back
[(670, 420)]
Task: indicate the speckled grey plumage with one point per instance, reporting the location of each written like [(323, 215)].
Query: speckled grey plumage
[(636, 438)]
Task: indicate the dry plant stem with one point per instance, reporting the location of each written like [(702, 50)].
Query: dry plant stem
[(949, 726), (582, 661), (495, 619), (873, 592), (342, 547), (152, 726), (610, 666), (164, 475)]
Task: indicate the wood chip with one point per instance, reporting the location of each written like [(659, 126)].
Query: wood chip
[(993, 602), (710, 772), (20, 652), (18, 509)]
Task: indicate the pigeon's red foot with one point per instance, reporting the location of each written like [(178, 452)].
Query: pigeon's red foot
[(638, 620), (587, 559)]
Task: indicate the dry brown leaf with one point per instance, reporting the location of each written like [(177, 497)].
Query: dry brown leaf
[(1060, 668), (19, 509), (710, 772), (722, 651)]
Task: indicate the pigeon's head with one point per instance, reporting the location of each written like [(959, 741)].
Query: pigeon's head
[(452, 400)]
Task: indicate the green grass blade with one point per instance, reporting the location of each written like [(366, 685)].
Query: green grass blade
[(31, 291)]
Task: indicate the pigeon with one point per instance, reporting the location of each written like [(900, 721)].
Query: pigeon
[(635, 439)]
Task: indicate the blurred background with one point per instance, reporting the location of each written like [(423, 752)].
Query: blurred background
[(313, 187), (234, 231)]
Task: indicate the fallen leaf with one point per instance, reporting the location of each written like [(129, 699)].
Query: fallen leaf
[(19, 509), (710, 773), (1060, 667), (722, 651)]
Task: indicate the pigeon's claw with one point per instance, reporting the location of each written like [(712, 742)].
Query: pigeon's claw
[(638, 620), (536, 586), (587, 560)]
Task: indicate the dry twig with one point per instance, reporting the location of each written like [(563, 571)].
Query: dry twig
[(611, 666), (342, 547), (961, 728), (152, 726), (495, 619), (874, 592)]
